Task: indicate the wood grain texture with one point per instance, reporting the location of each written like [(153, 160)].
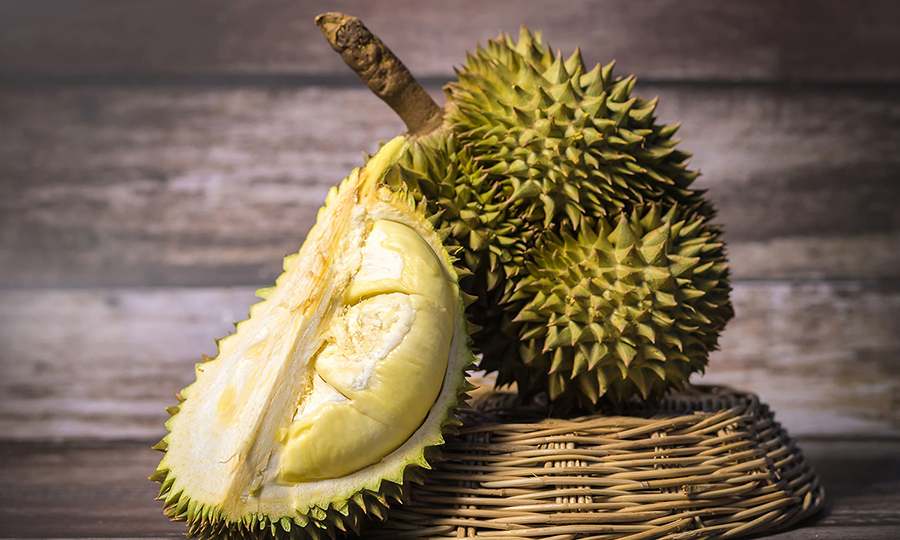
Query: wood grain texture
[(91, 490), (825, 355), (101, 490), (103, 363), (685, 40), (183, 186), (188, 146), (95, 363)]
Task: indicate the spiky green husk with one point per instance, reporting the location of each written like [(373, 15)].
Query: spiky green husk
[(316, 523), (535, 147), (319, 522), (623, 308), (324, 521), (327, 517)]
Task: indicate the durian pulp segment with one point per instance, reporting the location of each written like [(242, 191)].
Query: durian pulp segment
[(382, 354), (274, 425)]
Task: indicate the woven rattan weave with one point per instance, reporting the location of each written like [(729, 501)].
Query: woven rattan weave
[(707, 462)]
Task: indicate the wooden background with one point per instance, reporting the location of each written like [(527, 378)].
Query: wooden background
[(159, 157)]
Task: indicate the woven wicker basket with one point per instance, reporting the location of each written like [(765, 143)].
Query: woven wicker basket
[(708, 462)]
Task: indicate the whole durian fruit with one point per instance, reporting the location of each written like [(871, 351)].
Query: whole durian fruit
[(596, 268), (339, 386)]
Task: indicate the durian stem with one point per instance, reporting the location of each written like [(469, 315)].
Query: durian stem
[(382, 71)]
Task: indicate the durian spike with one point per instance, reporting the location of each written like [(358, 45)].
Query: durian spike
[(382, 71)]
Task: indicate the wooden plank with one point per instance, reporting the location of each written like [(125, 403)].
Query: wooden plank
[(824, 355), (820, 532), (184, 187), (103, 363), (692, 39), (862, 499), (100, 490), (174, 186), (89, 490)]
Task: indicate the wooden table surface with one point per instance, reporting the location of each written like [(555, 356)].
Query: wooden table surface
[(159, 157), (93, 489)]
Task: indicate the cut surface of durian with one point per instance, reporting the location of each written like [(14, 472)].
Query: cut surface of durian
[(340, 379), (378, 342)]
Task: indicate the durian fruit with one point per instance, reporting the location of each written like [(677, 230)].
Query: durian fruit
[(337, 389), (621, 308), (530, 154)]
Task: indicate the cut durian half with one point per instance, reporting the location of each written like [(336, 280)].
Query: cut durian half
[(343, 377)]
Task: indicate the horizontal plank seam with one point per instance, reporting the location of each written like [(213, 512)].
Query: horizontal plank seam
[(93, 443), (73, 444), (289, 80), (87, 536), (879, 283)]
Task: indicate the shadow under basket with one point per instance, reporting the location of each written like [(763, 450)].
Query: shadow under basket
[(706, 462)]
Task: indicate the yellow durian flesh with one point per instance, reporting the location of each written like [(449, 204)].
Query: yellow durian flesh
[(383, 355), (274, 431)]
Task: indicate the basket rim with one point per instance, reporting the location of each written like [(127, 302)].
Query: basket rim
[(685, 467)]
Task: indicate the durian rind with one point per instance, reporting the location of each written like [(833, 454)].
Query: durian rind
[(532, 142), (631, 306), (334, 504)]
